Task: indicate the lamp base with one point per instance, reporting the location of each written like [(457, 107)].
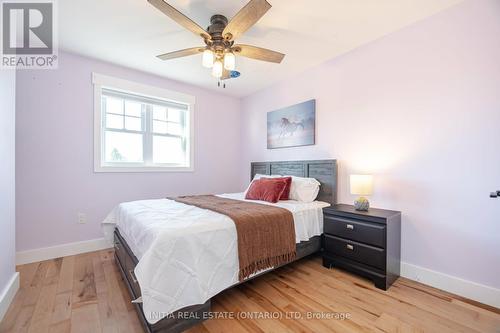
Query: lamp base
[(361, 204)]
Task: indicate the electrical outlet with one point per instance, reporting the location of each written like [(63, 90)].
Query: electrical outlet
[(82, 218)]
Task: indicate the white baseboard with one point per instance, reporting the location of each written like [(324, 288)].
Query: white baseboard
[(46, 253), (8, 294), (475, 291)]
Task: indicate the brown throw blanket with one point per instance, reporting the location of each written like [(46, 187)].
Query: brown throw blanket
[(266, 234)]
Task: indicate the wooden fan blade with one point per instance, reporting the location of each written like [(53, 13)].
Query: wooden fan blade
[(258, 53), (245, 18), (181, 53), (180, 18)]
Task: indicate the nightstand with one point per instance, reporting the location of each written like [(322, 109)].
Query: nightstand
[(365, 243)]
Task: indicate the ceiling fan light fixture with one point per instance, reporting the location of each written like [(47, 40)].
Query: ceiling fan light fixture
[(208, 58), (217, 69), (229, 61), (220, 37)]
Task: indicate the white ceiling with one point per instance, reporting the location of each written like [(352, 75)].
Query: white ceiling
[(132, 32)]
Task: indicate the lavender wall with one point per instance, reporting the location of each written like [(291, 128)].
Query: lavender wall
[(7, 177), (420, 109), (55, 178)]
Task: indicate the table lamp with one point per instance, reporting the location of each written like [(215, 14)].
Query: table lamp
[(361, 185)]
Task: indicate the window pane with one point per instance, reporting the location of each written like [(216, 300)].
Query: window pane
[(133, 123), (159, 127), (174, 128), (174, 115), (123, 147), (168, 150), (114, 105), (132, 109), (159, 112), (114, 121)]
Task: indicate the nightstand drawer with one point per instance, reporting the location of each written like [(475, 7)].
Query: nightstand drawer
[(362, 253), (365, 232)]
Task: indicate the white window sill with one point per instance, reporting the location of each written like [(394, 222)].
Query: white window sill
[(114, 169)]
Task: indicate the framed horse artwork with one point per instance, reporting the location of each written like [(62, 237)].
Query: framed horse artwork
[(292, 126)]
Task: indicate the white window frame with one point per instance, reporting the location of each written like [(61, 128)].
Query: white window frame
[(102, 81)]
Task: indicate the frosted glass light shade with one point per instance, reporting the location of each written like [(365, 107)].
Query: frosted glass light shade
[(361, 184), (208, 59), (217, 69), (229, 61)]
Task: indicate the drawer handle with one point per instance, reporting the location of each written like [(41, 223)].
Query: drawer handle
[(132, 275), (350, 247), (349, 226)]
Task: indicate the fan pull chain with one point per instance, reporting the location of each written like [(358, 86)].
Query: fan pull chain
[(223, 84)]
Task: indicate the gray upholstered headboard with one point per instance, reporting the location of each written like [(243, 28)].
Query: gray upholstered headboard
[(325, 171)]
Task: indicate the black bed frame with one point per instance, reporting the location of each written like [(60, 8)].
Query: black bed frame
[(325, 171)]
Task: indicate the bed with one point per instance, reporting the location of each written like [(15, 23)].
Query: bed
[(185, 295)]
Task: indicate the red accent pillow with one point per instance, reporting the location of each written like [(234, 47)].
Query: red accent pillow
[(269, 190), (286, 193)]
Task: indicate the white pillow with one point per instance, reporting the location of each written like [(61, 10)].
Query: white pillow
[(304, 189), (259, 176)]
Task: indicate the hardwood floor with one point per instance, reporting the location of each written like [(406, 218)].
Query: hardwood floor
[(85, 293)]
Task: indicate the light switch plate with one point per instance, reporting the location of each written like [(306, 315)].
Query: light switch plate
[(82, 218)]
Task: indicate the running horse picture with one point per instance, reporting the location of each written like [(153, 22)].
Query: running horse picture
[(292, 126)]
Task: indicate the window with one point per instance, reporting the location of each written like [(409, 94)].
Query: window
[(141, 128)]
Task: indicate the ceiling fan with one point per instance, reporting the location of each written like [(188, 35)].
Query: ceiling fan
[(220, 50)]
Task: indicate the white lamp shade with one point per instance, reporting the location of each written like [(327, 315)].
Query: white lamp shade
[(217, 69), (208, 59), (361, 184), (229, 61)]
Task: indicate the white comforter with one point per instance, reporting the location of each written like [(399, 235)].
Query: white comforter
[(188, 254)]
